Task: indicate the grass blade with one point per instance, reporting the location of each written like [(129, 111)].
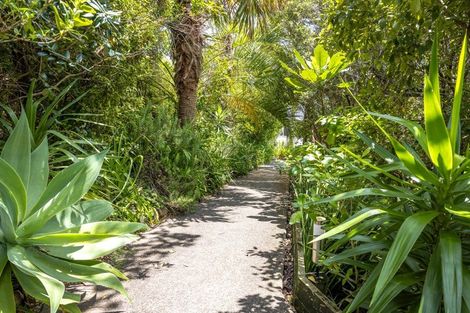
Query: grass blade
[(7, 303)]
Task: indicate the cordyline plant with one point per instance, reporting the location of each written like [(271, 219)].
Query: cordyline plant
[(416, 245), (49, 237)]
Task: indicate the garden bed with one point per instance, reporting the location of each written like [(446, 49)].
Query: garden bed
[(307, 298)]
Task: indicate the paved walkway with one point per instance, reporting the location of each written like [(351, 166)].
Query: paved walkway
[(225, 258)]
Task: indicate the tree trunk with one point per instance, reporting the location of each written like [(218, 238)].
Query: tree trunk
[(187, 57)]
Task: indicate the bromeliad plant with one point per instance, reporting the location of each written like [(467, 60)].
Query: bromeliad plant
[(48, 235), (415, 238)]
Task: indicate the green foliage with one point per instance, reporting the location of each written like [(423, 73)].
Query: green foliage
[(282, 151), (320, 68), (48, 236), (316, 172), (409, 232), (46, 22), (316, 75)]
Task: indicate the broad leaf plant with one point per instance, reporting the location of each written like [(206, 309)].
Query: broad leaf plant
[(49, 236), (416, 233)]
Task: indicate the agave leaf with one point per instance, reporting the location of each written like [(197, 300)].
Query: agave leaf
[(17, 150), (65, 239), (65, 189), (7, 226), (354, 220), (68, 271), (91, 251), (405, 239), (455, 118), (105, 267), (7, 303), (71, 308), (84, 234), (107, 227), (12, 191), (3, 257), (33, 287), (54, 288), (79, 214), (39, 175), (440, 148), (431, 295), (451, 265)]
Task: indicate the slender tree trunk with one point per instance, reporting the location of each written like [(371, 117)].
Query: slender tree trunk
[(187, 57)]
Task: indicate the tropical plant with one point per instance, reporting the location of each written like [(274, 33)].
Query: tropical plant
[(320, 68), (316, 173), (48, 235), (187, 37), (316, 74), (412, 234)]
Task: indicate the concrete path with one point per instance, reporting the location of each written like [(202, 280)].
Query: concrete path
[(225, 258)]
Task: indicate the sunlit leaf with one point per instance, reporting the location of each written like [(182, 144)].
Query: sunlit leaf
[(455, 118)]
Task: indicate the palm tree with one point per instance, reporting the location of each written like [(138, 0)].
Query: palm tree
[(187, 56), (247, 15)]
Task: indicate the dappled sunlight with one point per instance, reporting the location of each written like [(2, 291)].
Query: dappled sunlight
[(233, 156), (223, 243)]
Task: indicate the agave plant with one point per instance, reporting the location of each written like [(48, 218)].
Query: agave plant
[(48, 235), (414, 239)]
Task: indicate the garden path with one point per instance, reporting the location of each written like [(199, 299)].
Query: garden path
[(227, 257)]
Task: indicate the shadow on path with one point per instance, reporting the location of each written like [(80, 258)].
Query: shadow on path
[(226, 257)]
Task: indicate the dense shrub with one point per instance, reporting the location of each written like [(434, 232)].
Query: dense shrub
[(402, 245)]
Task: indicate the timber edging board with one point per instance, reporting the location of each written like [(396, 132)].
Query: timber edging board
[(307, 298)]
